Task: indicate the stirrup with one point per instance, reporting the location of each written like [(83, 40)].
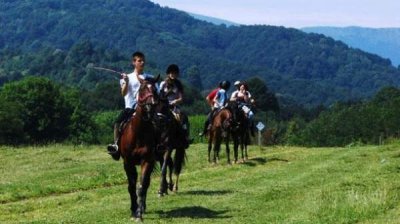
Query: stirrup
[(113, 151), (112, 148)]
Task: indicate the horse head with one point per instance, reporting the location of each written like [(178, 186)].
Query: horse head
[(148, 96), (237, 114)]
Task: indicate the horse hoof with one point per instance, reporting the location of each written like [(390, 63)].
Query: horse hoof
[(136, 219), (175, 189), (171, 187)]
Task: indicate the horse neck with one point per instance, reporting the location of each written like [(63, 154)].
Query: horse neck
[(143, 128), (162, 107), (226, 114), (223, 115)]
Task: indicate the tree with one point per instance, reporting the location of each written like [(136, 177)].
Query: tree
[(265, 99), (193, 77), (82, 128), (42, 108), (11, 122)]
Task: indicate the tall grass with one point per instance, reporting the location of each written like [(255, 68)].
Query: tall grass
[(196, 126)]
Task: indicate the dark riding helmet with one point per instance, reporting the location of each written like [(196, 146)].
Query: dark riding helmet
[(225, 85), (173, 68)]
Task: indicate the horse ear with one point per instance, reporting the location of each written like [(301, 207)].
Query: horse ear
[(157, 78)]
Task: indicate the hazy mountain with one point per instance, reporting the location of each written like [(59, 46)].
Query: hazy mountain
[(307, 68), (213, 20), (384, 42)]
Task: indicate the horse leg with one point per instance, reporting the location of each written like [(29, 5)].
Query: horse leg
[(245, 146), (178, 164), (227, 149), (235, 148), (146, 170), (210, 140), (170, 165), (163, 182), (245, 152), (131, 174), (217, 147), (242, 147)]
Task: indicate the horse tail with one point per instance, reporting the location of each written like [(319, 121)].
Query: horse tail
[(179, 160)]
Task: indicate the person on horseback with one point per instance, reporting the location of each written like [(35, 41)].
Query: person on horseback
[(221, 98), (234, 93), (243, 97), (210, 97), (130, 84), (172, 89), (218, 101)]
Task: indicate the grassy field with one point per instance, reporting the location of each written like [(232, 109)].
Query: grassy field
[(63, 184)]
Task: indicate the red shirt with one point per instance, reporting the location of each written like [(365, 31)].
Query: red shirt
[(212, 95)]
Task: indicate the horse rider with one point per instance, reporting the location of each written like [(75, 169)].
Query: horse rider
[(234, 93), (218, 102), (172, 89), (130, 84), (243, 97)]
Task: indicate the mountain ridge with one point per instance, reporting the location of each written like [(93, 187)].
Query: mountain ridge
[(381, 41)]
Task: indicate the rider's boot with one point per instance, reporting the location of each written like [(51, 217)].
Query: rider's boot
[(113, 149)]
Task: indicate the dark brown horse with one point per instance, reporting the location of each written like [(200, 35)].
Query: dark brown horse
[(172, 135), (240, 131), (137, 146), (220, 130)]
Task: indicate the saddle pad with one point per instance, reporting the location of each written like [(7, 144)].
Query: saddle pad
[(246, 109)]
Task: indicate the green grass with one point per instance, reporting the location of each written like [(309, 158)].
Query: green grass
[(63, 184)]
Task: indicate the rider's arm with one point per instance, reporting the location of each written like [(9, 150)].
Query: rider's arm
[(124, 84), (233, 96), (216, 99), (251, 100), (178, 100)]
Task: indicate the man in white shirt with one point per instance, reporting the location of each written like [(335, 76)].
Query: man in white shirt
[(130, 84)]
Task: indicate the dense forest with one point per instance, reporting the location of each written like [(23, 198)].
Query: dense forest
[(309, 69)]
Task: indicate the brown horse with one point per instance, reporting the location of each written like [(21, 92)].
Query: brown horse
[(171, 135), (240, 133), (137, 146), (220, 130)]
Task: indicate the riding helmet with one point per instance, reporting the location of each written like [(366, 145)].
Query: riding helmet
[(225, 85), (173, 68)]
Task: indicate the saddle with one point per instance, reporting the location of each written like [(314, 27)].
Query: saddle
[(122, 125)]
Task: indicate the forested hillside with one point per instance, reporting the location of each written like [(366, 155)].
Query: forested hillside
[(308, 69), (384, 41)]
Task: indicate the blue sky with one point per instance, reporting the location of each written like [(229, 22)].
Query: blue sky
[(296, 13)]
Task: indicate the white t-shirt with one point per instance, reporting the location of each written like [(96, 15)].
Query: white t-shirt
[(234, 95), (133, 89)]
